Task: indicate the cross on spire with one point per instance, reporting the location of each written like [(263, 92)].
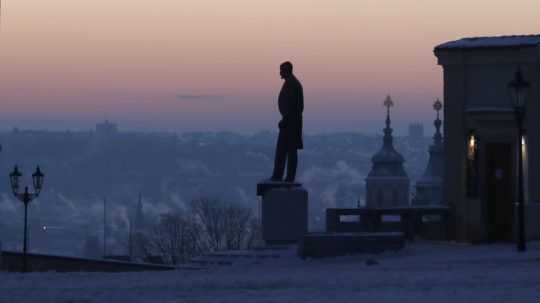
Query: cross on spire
[(387, 140), (388, 103)]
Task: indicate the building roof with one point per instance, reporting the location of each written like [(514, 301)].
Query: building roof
[(491, 42)]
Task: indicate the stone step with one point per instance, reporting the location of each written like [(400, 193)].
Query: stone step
[(210, 262), (338, 244), (228, 258), (240, 255), (273, 248), (190, 267)]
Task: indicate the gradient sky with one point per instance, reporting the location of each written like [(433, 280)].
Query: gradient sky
[(213, 65)]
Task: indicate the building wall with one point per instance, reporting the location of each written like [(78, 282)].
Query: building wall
[(533, 134), (455, 138), (387, 192), (476, 98)]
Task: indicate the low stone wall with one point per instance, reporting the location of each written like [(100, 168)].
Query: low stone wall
[(319, 245), (429, 221), (13, 262)]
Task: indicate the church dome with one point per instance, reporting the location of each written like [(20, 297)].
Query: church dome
[(387, 162), (387, 155)]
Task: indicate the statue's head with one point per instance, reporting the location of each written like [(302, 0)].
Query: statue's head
[(285, 70)]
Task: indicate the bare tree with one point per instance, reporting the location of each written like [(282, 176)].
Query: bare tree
[(254, 237), (208, 225), (175, 238), (236, 226), (209, 215), (226, 226)]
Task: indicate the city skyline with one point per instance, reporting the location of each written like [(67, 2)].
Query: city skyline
[(209, 66)]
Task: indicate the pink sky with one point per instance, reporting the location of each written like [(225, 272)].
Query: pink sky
[(68, 63)]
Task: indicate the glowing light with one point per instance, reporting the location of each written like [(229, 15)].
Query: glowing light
[(471, 151), (523, 146)]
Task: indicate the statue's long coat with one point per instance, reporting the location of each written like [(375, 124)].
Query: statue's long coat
[(291, 106)]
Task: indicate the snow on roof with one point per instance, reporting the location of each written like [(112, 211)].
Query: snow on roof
[(491, 42)]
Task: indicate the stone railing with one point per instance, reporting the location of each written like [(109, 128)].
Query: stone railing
[(409, 220)]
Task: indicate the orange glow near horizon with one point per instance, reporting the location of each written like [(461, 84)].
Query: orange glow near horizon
[(199, 59)]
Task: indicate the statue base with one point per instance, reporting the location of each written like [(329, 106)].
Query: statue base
[(284, 212)]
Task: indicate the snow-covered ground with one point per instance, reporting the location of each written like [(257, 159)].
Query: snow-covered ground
[(421, 273)]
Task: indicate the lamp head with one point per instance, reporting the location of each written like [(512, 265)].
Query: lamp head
[(14, 178), (519, 88), (37, 179)]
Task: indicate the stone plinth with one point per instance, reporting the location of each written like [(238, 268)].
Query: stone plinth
[(284, 212)]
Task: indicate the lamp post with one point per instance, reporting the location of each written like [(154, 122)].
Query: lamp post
[(519, 87), (26, 197)]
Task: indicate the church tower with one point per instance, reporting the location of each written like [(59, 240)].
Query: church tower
[(137, 232), (387, 184), (429, 187)]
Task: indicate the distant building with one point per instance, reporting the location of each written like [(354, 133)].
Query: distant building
[(106, 133), (106, 129), (480, 134), (387, 184), (416, 131)]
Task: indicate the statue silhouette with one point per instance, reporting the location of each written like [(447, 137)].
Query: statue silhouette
[(291, 106)]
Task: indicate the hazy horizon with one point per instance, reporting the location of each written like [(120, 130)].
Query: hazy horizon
[(211, 66), (371, 125)]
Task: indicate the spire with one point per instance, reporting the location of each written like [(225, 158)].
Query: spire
[(387, 161), (429, 186), (387, 173), (138, 233), (139, 216), (437, 138), (388, 103)]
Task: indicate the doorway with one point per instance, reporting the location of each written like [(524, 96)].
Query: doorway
[(499, 192)]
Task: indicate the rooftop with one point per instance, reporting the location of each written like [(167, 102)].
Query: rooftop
[(491, 42)]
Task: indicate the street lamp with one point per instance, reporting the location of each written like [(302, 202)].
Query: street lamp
[(519, 87), (26, 197)]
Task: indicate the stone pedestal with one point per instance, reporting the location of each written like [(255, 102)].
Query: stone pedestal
[(284, 212)]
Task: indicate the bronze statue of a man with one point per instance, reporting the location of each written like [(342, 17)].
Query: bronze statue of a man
[(291, 106)]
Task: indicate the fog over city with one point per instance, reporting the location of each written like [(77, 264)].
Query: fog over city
[(85, 170)]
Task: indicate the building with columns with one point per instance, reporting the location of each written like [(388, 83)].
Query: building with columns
[(387, 184), (481, 136)]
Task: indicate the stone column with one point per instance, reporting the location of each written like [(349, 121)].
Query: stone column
[(284, 212)]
